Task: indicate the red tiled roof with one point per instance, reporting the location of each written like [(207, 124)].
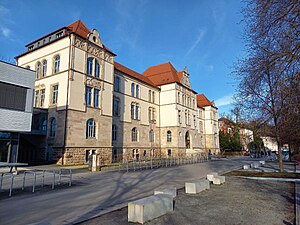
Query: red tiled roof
[(162, 74), (202, 101), (132, 73), (79, 28)]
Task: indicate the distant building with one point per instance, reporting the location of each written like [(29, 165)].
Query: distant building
[(16, 100), (86, 103), (226, 126), (270, 143), (246, 136)]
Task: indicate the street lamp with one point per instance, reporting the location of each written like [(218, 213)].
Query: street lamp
[(151, 140)]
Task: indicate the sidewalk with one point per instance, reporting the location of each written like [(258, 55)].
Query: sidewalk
[(93, 194)]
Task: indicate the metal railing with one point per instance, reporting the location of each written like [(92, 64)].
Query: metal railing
[(144, 164), (36, 177)]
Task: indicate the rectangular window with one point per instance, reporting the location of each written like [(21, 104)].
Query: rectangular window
[(12, 97), (116, 107), (96, 98), (153, 97), (137, 112), (150, 93), (132, 89), (179, 116), (137, 92), (116, 84), (54, 94), (42, 98), (36, 98), (88, 96), (132, 111)]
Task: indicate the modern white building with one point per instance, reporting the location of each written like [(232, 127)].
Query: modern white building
[(98, 106), (16, 99)]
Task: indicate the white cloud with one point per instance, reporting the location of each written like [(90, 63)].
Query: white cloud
[(5, 31), (201, 34), (225, 100)]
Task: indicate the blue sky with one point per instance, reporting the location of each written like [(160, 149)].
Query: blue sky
[(204, 35)]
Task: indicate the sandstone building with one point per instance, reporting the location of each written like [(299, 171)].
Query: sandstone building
[(95, 105)]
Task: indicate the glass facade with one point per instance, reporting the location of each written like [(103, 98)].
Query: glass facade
[(9, 143)]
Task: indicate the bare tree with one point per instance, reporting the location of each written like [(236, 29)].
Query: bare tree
[(272, 35)]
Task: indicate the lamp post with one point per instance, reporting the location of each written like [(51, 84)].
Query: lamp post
[(151, 140)]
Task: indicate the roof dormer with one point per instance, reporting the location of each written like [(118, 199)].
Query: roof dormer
[(94, 37)]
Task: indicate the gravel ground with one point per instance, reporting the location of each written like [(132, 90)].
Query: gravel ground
[(238, 201)]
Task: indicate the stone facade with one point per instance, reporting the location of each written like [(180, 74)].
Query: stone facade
[(107, 109)]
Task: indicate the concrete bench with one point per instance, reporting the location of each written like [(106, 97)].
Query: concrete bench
[(262, 162), (194, 187), (149, 208), (218, 180), (246, 167), (167, 191), (255, 165), (210, 176)]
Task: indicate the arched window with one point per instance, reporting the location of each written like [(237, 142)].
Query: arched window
[(56, 63), (89, 66), (114, 132), (151, 135), (52, 127), (44, 71), (38, 70), (132, 89), (43, 125), (90, 129), (97, 69), (169, 136), (134, 134), (137, 91)]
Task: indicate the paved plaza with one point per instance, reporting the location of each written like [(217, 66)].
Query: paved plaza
[(99, 193)]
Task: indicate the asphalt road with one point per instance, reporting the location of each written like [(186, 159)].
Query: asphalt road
[(93, 194)]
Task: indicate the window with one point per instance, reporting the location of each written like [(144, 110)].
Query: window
[(97, 69), (153, 96), (56, 64), (137, 111), (44, 71), (150, 114), (43, 125), (114, 132), (90, 129), (116, 106), (52, 127), (88, 96), (36, 98), (54, 94), (182, 99), (150, 93), (38, 70), (96, 98), (132, 110), (151, 135), (179, 116), (169, 136), (58, 35), (169, 152), (134, 134), (117, 83), (178, 98), (137, 91), (89, 66), (42, 98), (132, 89), (16, 96), (186, 117), (194, 121)]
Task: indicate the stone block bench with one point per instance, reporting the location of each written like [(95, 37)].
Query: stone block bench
[(149, 208), (194, 187), (167, 191), (246, 167), (218, 180), (211, 176)]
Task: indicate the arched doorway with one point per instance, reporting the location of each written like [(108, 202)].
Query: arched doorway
[(187, 140)]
